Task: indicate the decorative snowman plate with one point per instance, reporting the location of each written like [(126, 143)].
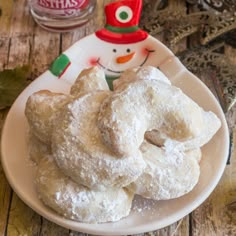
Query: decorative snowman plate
[(120, 45)]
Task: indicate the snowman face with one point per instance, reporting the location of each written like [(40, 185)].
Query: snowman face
[(115, 58)]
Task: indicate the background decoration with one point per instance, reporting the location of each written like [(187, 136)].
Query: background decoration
[(212, 23), (201, 60)]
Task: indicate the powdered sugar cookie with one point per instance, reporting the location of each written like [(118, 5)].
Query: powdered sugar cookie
[(211, 124), (80, 152), (42, 109), (140, 73), (169, 173), (89, 80), (77, 202), (37, 149), (144, 105)]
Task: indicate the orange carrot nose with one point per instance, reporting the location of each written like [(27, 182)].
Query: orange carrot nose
[(124, 59)]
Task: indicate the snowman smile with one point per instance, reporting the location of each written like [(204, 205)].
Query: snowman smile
[(125, 59)]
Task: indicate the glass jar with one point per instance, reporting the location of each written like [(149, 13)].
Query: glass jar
[(61, 15)]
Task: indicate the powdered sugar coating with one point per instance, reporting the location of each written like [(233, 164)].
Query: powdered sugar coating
[(77, 202), (79, 151), (144, 105), (140, 73), (37, 149), (89, 80), (168, 174), (208, 131), (42, 110)]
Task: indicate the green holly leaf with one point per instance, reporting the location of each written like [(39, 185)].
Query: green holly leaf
[(12, 83)]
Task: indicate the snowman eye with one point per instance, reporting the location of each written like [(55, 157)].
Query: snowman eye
[(128, 50), (124, 14), (114, 50)]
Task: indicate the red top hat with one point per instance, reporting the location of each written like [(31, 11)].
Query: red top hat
[(122, 18)]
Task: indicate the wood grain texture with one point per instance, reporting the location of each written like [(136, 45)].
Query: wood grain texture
[(217, 216), (19, 51), (45, 48), (22, 219), (5, 189), (5, 200), (6, 16), (22, 23), (50, 229), (4, 50), (180, 228)]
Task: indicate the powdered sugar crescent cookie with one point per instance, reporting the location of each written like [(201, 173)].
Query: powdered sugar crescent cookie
[(89, 80), (37, 149), (42, 109), (144, 105), (140, 73), (211, 124), (79, 151), (169, 174), (77, 202)]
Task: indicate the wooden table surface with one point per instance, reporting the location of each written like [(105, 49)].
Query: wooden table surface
[(23, 42)]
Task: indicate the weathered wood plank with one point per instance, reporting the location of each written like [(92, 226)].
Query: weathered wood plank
[(5, 190), (4, 50), (5, 25), (21, 33), (19, 51), (5, 16), (21, 22), (217, 216), (45, 48), (73, 233), (22, 220), (5, 200), (51, 229), (180, 228)]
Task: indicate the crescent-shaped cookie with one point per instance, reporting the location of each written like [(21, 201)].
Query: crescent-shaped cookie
[(79, 151), (168, 174), (144, 105), (42, 110), (77, 202), (211, 125)]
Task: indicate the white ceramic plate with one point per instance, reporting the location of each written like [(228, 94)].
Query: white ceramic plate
[(146, 215)]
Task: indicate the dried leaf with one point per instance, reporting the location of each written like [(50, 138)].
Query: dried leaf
[(12, 82)]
